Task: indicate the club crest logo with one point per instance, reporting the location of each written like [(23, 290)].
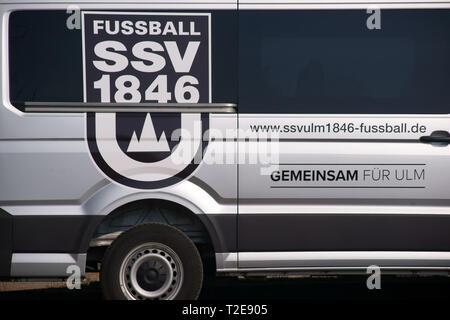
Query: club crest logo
[(146, 58), (147, 151)]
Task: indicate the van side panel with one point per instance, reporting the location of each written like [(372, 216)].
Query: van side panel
[(349, 105)]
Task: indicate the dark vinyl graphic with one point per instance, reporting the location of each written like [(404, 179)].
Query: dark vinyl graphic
[(146, 57), (163, 125), (122, 179), (343, 232)]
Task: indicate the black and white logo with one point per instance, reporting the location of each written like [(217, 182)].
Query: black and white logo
[(142, 57)]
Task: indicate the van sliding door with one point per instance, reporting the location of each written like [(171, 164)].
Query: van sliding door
[(358, 102)]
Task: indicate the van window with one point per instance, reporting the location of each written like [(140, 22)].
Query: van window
[(324, 61), (45, 57)]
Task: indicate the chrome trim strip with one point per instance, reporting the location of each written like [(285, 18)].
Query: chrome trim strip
[(338, 4), (45, 264), (225, 261), (113, 110), (343, 259), (330, 260), (75, 107), (328, 270)]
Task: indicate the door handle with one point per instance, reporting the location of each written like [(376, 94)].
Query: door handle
[(439, 137), (79, 107)]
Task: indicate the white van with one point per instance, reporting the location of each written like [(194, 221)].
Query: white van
[(160, 141)]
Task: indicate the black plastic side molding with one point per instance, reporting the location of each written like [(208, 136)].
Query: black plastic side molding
[(6, 240)]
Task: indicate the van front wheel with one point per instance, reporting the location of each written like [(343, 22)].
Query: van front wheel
[(152, 261)]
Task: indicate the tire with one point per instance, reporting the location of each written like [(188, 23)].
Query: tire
[(152, 261)]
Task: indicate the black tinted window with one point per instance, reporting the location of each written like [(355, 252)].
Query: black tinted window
[(317, 61), (45, 58)]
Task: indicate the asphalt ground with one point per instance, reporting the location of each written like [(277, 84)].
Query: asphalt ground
[(315, 288)]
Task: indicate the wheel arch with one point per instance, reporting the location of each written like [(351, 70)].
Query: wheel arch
[(199, 227)]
